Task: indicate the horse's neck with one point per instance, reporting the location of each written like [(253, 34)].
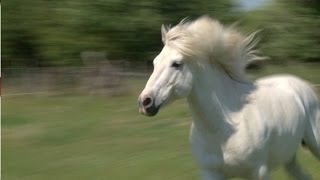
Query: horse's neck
[(215, 97)]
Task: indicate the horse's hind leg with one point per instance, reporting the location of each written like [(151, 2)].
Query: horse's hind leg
[(293, 168), (312, 133)]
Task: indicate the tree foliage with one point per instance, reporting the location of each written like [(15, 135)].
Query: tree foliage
[(290, 29), (54, 33)]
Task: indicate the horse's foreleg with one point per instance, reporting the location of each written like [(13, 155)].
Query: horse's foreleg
[(261, 173), (296, 171), (210, 174)]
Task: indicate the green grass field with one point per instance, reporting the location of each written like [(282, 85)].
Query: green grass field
[(66, 137)]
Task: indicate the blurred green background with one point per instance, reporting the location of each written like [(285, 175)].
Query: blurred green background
[(73, 69), (54, 33)]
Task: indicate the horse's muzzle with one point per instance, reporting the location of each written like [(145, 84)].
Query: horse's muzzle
[(147, 106)]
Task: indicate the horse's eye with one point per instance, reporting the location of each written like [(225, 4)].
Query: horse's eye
[(176, 64)]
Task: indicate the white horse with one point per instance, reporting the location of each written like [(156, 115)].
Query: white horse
[(240, 128)]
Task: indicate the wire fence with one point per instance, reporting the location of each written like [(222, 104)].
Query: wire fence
[(101, 79)]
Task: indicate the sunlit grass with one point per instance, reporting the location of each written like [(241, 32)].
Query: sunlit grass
[(93, 138)]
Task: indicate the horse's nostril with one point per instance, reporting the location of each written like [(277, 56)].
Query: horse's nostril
[(147, 102)]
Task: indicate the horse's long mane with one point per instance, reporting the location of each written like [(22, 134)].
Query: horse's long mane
[(207, 38)]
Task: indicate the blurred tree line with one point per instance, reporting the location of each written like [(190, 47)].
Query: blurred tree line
[(54, 33), (290, 29), (41, 33)]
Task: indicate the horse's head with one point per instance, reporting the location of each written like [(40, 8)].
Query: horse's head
[(202, 42), (171, 79)]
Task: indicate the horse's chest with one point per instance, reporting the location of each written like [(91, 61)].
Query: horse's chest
[(231, 156)]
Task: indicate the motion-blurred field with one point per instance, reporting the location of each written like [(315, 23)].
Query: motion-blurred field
[(63, 137)]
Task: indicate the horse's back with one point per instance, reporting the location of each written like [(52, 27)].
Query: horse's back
[(288, 86)]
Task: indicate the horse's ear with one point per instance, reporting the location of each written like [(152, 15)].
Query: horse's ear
[(163, 33)]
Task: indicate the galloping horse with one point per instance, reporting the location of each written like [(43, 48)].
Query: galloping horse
[(240, 128)]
